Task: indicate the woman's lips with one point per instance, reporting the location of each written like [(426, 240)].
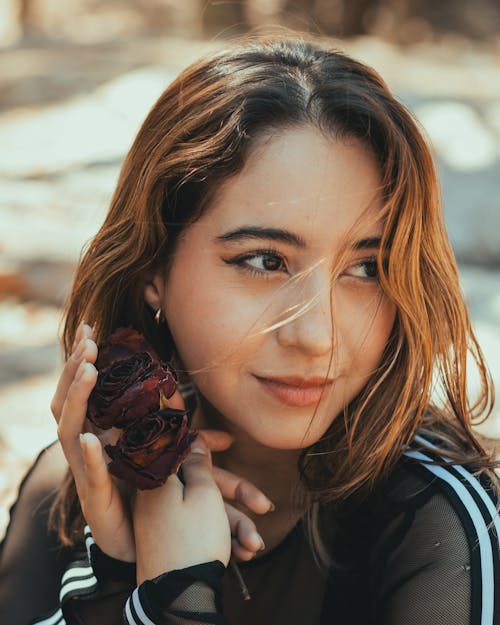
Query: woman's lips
[(295, 395)]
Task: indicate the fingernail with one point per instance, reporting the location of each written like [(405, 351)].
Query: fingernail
[(256, 537), (83, 442), (272, 507), (198, 450), (85, 438)]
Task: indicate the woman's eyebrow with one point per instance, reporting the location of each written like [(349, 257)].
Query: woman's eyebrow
[(259, 232), (370, 242)]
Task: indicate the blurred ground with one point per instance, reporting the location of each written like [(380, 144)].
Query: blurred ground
[(68, 112)]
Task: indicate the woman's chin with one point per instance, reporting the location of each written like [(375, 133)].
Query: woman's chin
[(284, 441)]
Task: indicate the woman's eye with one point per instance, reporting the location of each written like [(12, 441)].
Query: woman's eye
[(365, 269), (265, 262), (260, 262)]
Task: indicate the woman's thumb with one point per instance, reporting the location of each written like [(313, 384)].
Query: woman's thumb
[(198, 462)]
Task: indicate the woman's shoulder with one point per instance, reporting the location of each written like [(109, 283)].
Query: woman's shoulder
[(48, 469), (423, 471), (438, 536), (430, 489), (41, 482), (38, 488), (32, 559), (36, 492)]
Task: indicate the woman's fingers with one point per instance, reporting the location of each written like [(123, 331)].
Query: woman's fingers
[(81, 332), (86, 349), (98, 477), (246, 541), (238, 489), (73, 416), (232, 486), (217, 440), (181, 523), (239, 553), (101, 503), (197, 470), (100, 498), (99, 485), (98, 482)]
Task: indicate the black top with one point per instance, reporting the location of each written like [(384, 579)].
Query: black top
[(422, 549)]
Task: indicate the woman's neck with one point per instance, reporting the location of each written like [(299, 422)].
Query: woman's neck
[(273, 471)]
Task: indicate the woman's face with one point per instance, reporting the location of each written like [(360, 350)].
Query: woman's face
[(266, 247)]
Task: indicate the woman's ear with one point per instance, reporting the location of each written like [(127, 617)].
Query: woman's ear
[(154, 291)]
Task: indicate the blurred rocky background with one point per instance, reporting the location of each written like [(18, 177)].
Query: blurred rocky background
[(76, 79)]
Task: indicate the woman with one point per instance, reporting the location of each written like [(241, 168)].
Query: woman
[(278, 214)]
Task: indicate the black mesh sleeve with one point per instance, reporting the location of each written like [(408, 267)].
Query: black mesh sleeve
[(31, 558), (189, 596), (107, 568), (442, 561)]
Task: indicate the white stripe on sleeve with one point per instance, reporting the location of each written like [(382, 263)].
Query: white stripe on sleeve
[(139, 609), (475, 483), (78, 584), (128, 613), (76, 571), (485, 549), (89, 541)]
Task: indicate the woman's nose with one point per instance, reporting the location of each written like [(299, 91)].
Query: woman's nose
[(309, 326)]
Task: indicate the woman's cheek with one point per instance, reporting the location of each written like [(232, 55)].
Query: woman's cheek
[(207, 332), (363, 331)]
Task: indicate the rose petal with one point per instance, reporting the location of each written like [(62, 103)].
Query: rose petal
[(128, 389), (151, 449), (123, 343)]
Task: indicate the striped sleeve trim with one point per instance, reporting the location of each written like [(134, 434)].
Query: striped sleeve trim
[(494, 514), (475, 506), (78, 580), (56, 618), (135, 613), (89, 541)]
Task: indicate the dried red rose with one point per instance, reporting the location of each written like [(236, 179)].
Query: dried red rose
[(130, 379), (151, 449), (131, 391)]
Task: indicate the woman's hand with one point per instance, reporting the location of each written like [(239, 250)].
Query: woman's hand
[(102, 503), (246, 541), (102, 497), (181, 524)]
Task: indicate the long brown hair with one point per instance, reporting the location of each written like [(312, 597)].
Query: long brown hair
[(197, 135)]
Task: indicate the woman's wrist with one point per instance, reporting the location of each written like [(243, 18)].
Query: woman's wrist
[(155, 571)]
